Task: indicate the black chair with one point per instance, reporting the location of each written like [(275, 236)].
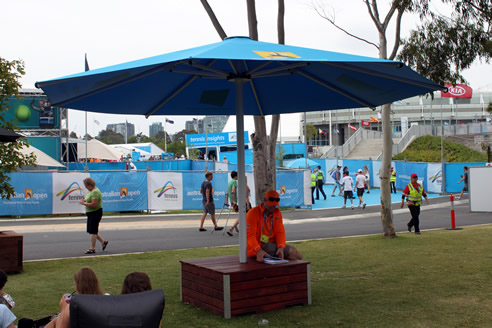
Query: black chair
[(130, 311)]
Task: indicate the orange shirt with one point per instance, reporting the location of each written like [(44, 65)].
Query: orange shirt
[(254, 223)]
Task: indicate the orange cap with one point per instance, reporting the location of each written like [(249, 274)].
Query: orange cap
[(272, 198)]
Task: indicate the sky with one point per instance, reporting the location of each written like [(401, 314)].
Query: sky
[(52, 37)]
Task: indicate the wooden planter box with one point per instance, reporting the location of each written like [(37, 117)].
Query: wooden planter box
[(11, 254), (225, 287)]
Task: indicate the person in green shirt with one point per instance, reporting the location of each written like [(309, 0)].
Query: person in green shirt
[(93, 208)]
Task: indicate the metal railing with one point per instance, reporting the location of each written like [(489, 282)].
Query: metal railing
[(352, 142)]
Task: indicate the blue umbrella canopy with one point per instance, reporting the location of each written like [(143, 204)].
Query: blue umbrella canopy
[(280, 79), (238, 76)]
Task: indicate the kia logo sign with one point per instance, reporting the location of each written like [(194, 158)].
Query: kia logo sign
[(457, 91)]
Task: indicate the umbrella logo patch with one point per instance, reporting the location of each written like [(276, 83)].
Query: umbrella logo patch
[(276, 55)]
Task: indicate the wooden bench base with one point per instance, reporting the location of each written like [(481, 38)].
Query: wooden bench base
[(11, 251), (225, 287)]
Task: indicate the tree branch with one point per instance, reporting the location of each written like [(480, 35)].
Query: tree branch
[(374, 18), (280, 22), (389, 15), (214, 19), (322, 14), (252, 22), (396, 45)]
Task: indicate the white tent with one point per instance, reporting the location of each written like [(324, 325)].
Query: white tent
[(146, 149), (97, 149), (42, 159)]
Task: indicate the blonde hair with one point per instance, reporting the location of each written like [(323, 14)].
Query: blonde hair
[(89, 182)]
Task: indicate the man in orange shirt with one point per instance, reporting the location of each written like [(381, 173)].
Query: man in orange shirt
[(266, 233)]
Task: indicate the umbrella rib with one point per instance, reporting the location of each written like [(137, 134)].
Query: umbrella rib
[(114, 85), (172, 95), (259, 67), (208, 68), (285, 67), (232, 66), (254, 91), (333, 88), (199, 73), (385, 75)]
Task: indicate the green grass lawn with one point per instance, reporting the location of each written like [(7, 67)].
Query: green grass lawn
[(439, 279)]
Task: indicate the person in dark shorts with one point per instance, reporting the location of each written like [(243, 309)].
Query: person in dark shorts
[(348, 186), (94, 212), (207, 190), (360, 182), (414, 192), (465, 179)]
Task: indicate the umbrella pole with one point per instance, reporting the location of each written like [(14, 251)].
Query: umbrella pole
[(241, 197)]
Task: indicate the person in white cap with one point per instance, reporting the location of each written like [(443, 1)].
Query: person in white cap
[(360, 182)]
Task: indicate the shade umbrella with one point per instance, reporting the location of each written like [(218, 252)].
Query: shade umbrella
[(8, 135), (42, 159), (301, 162), (238, 76)]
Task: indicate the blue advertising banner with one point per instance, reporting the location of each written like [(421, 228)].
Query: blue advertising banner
[(33, 195), (405, 169), (290, 186), (214, 139), (122, 191), (192, 181), (454, 172)]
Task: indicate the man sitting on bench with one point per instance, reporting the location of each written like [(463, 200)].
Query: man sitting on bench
[(266, 233)]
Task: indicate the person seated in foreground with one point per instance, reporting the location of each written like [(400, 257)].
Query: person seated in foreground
[(136, 282), (266, 233), (85, 282), (7, 318), (5, 299)]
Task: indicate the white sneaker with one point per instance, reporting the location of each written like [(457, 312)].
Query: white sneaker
[(358, 206), (352, 206), (343, 206)]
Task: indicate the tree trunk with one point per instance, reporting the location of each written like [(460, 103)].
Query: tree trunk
[(214, 19), (384, 175)]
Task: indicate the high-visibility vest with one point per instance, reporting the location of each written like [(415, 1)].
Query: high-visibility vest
[(320, 175), (415, 195), (393, 176), (313, 180)]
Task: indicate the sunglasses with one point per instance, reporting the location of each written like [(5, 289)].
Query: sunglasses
[(273, 199)]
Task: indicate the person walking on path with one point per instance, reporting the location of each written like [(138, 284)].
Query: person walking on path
[(94, 212), (393, 180), (414, 192), (360, 182), (321, 181), (368, 178), (266, 233), (337, 177), (465, 179), (314, 180), (236, 208), (207, 191), (348, 186)]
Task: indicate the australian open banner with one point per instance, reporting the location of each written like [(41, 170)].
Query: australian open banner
[(68, 190), (122, 191), (165, 191), (33, 195)]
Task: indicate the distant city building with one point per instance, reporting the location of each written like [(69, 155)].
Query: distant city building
[(155, 128), (209, 124), (127, 129)]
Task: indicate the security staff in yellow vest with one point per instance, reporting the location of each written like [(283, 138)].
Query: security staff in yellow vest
[(313, 183), (414, 192), (393, 180), (320, 176)]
